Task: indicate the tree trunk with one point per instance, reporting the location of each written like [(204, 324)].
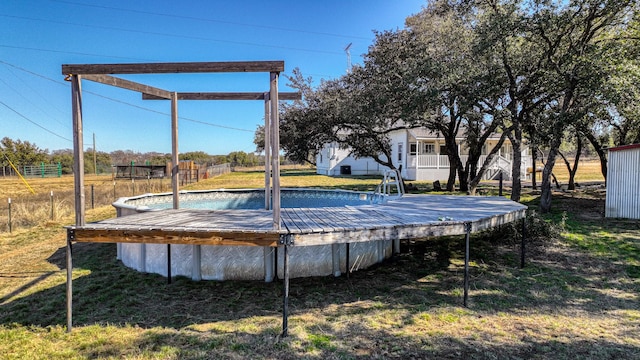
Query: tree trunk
[(600, 151), (451, 181), (534, 160), (455, 164), (473, 183), (463, 175), (545, 195), (452, 154), (573, 170), (516, 187)]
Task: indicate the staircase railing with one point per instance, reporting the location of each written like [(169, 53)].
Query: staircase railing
[(497, 165), (391, 186)]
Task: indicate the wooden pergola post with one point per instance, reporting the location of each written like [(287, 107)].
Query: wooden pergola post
[(275, 148), (78, 183), (78, 146), (267, 152), (175, 165), (175, 168)]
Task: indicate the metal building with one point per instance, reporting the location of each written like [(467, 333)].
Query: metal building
[(623, 182)]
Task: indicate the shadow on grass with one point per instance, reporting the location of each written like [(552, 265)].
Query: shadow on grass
[(427, 274), (111, 293), (361, 342)]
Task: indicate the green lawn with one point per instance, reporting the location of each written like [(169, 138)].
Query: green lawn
[(577, 297)]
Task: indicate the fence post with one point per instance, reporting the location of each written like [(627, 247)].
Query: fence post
[(9, 215), (500, 186), (133, 187), (92, 197), (51, 204), (114, 190), (42, 169)]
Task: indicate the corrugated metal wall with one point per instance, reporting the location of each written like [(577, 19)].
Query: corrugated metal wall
[(623, 183)]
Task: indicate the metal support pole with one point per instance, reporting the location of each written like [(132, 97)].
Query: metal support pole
[(285, 305), (275, 263), (52, 204), (168, 263), (500, 186), (347, 259), (69, 284), (524, 235), (466, 263), (9, 215)]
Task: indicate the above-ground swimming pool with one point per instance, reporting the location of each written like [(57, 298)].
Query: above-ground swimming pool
[(249, 199), (249, 262)]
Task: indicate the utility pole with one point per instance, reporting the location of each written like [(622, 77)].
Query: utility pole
[(95, 168), (348, 51)]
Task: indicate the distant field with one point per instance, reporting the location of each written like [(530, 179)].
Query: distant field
[(32, 209), (13, 187), (588, 170)]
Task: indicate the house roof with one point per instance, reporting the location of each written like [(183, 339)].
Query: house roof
[(625, 147), (426, 134)]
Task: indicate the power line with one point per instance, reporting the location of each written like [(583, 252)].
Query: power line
[(171, 35), (33, 122), (69, 52), (175, 16), (124, 102), (166, 114), (33, 91)]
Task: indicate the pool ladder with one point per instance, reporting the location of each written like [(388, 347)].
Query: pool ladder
[(391, 181)]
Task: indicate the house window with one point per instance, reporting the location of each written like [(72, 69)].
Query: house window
[(400, 152), (429, 148), (413, 148)]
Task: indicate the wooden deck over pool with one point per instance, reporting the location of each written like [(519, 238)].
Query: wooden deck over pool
[(409, 217)]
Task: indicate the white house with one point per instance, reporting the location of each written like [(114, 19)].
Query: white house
[(422, 154)]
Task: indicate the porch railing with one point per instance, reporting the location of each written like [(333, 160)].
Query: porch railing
[(432, 161), (442, 161)]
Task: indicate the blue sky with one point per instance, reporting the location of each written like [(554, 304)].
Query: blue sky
[(38, 36)]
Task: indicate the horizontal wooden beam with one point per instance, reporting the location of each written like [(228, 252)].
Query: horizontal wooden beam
[(227, 96), (155, 236), (181, 67), (129, 85)]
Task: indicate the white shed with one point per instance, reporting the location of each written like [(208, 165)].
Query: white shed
[(623, 182)]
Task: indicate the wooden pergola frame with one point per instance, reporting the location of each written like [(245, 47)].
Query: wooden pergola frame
[(101, 73)]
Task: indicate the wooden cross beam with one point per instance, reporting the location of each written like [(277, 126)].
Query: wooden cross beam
[(163, 68), (129, 85)]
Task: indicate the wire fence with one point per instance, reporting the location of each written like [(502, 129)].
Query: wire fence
[(42, 170), (57, 206)]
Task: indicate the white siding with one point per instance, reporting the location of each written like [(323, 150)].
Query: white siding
[(333, 159), (623, 183)]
